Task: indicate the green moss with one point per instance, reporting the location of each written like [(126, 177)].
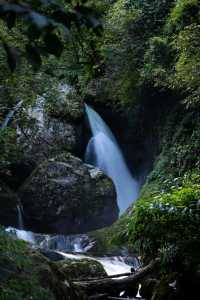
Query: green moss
[(68, 107), (111, 240), (184, 13), (81, 269), (26, 274)]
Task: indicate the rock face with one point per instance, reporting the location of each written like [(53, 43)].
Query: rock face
[(64, 196), (48, 135), (8, 206)]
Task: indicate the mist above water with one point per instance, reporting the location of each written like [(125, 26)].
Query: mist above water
[(104, 152)]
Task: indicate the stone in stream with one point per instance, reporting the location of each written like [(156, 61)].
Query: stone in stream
[(64, 195), (81, 269)]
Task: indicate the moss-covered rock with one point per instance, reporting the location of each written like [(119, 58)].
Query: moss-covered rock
[(43, 136), (63, 195), (26, 274), (81, 269), (68, 106)]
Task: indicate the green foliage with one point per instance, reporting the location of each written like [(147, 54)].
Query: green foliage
[(108, 241), (68, 107), (167, 224), (44, 26), (8, 148), (157, 62), (183, 14), (18, 279), (187, 74)]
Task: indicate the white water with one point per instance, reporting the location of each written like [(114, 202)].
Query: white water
[(103, 151), (21, 232), (112, 265), (79, 243)]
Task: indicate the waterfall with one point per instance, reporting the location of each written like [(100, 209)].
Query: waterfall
[(21, 232), (10, 115), (20, 218), (103, 151)]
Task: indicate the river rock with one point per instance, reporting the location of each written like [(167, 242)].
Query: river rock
[(64, 195), (80, 269)]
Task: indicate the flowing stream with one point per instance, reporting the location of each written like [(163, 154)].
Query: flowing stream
[(112, 264), (104, 152), (75, 247)]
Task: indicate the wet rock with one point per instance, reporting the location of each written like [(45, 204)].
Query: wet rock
[(81, 269), (47, 136), (52, 255), (68, 105), (63, 195), (69, 243)]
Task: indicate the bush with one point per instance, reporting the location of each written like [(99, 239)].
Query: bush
[(167, 225), (184, 13)]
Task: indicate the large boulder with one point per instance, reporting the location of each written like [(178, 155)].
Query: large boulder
[(80, 269), (45, 135), (8, 206), (64, 195)]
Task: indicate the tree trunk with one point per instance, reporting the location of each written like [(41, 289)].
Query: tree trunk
[(120, 284)]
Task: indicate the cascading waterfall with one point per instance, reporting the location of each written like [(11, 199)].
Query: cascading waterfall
[(20, 218), (103, 151), (22, 233)]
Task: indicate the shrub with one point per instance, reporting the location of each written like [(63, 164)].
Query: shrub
[(184, 13), (167, 225)]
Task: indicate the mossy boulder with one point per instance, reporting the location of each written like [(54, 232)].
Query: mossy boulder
[(26, 274), (45, 136), (68, 106), (64, 195), (81, 269)]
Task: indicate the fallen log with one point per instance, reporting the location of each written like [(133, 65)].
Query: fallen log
[(120, 298), (109, 276), (98, 296), (119, 284)]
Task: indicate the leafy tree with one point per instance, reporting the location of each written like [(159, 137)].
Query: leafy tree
[(45, 25)]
